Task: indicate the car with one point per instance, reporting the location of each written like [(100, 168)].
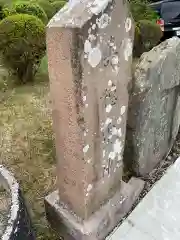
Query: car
[(169, 17)]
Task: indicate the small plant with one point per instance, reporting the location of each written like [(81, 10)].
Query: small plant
[(32, 9), (22, 45)]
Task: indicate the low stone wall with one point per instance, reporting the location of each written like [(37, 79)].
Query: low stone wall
[(154, 107)]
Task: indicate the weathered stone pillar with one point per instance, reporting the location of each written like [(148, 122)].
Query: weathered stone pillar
[(89, 46)]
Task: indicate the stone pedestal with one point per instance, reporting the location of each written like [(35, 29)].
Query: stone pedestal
[(89, 46), (99, 224)]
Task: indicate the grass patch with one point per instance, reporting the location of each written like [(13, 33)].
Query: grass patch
[(27, 146)]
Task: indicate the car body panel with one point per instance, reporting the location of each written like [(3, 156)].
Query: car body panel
[(169, 11)]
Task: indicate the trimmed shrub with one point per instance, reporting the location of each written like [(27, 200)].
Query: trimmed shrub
[(48, 8), (57, 5), (147, 36), (7, 12), (22, 45), (151, 34), (31, 9), (142, 11)]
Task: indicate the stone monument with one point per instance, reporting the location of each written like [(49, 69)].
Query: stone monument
[(154, 107), (89, 45)]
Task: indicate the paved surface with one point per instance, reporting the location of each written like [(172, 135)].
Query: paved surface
[(157, 217)]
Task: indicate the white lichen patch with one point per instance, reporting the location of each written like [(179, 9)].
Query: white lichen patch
[(87, 46), (108, 108), (113, 88), (128, 46), (115, 60), (128, 24), (86, 148), (104, 153), (123, 110), (92, 37), (89, 31), (117, 146), (84, 98), (119, 120), (93, 26), (112, 155), (108, 121), (99, 6), (119, 165), (103, 21), (89, 188), (119, 132), (110, 136), (89, 160), (109, 83), (94, 57), (114, 131)]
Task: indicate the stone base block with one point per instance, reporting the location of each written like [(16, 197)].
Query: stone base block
[(101, 223)]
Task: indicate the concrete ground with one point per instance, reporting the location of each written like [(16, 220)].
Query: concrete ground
[(157, 216)]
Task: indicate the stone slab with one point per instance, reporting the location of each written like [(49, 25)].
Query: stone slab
[(98, 226), (157, 215), (153, 114)]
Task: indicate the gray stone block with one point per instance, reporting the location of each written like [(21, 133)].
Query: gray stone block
[(154, 112)]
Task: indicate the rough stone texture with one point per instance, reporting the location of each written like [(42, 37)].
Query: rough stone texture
[(98, 225), (89, 46), (154, 109)]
